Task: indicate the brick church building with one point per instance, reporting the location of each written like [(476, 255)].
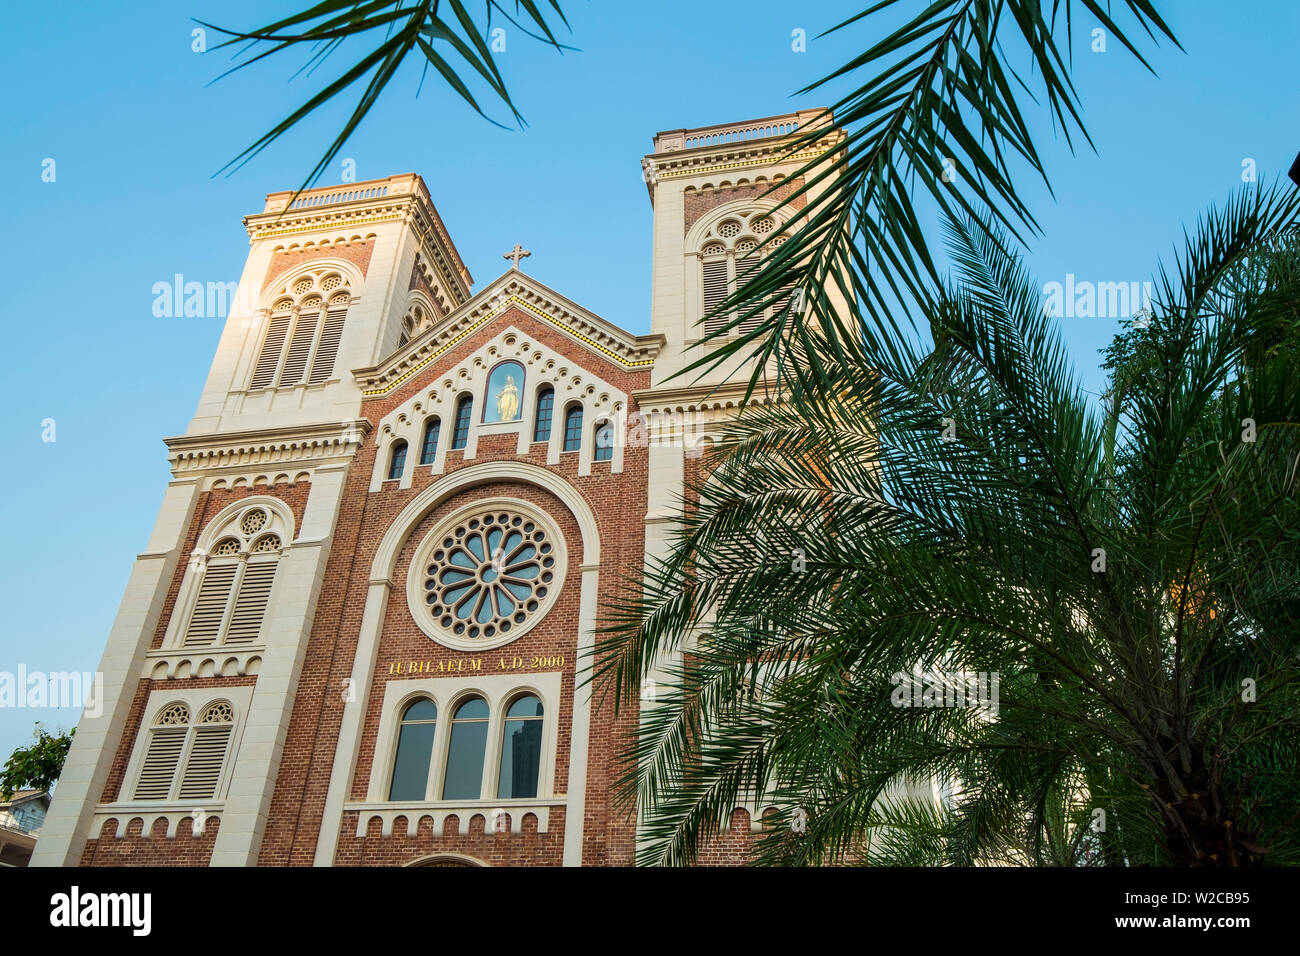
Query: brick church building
[(358, 631)]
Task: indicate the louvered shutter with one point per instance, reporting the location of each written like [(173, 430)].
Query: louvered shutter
[(746, 269), (295, 362), (328, 350), (210, 608), (250, 605), (165, 745), (715, 292), (203, 768), (269, 359)]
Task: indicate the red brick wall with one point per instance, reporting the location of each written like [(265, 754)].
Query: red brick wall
[(357, 253), (133, 848), (698, 202)]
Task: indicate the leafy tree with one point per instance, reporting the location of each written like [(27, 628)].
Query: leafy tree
[(38, 766), (951, 508)]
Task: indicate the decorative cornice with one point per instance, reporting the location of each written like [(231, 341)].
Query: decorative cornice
[(513, 289), (766, 142), (395, 199), (302, 445)]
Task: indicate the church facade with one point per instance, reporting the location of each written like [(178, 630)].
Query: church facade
[(358, 632)]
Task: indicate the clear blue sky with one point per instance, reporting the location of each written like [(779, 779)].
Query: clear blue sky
[(117, 98)]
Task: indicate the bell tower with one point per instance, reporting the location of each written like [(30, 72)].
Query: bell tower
[(714, 201), (336, 279)]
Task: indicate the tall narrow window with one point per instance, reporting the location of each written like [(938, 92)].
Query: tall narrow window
[(429, 447), (235, 587), (604, 442), (414, 751), (469, 727), (573, 428), (327, 349), (464, 412), (521, 749), (268, 360), (714, 275), (545, 411), (304, 336), (397, 463), (210, 738), (163, 753)]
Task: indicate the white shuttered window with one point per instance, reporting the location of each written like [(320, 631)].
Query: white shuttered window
[(227, 593), (199, 747), (303, 334)]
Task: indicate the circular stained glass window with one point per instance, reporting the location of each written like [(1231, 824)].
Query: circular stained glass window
[(486, 577)]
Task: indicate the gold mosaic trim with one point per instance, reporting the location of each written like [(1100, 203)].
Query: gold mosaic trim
[(481, 322), (696, 170)]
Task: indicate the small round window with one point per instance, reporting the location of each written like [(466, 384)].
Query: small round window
[(484, 577)]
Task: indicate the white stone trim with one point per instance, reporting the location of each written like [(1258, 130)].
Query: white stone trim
[(464, 811)]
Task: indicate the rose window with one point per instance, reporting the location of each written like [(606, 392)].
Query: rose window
[(488, 576)]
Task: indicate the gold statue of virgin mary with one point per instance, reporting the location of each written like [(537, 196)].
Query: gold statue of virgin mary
[(508, 400)]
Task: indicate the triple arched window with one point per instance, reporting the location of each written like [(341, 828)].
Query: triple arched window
[(185, 753), (302, 337), (727, 261), (464, 770), (234, 580)]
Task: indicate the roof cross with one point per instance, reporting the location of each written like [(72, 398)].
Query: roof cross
[(517, 253)]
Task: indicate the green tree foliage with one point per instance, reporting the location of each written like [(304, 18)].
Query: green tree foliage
[(953, 508), (38, 766)]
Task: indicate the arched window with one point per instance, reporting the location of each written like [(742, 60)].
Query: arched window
[(414, 325), (397, 463), (463, 779), (302, 337), (184, 759), (521, 748), (573, 428), (414, 751), (545, 411), (505, 388), (728, 261), (429, 447), (604, 442), (464, 413), (235, 582)]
